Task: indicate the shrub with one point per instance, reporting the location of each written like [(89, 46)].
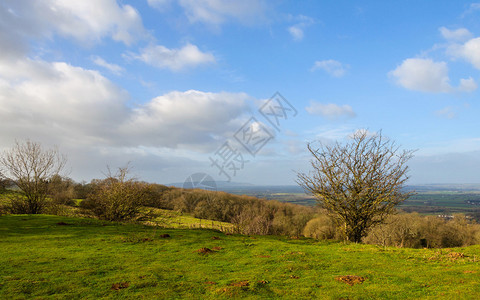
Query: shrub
[(117, 198), (322, 228)]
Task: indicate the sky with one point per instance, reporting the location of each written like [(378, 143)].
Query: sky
[(236, 89)]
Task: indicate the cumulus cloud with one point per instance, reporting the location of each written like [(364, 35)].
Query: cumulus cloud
[(330, 110), (332, 67), (469, 51), (61, 103), (53, 100), (86, 21), (116, 69), (193, 117), (425, 75), (174, 59), (457, 35)]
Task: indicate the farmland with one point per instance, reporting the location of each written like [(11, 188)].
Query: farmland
[(429, 199)]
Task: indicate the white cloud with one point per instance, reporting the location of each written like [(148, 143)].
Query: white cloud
[(423, 75), (330, 110), (63, 104), (87, 21), (174, 59), (116, 69), (217, 12), (467, 85), (470, 51), (296, 32), (332, 67), (187, 118), (458, 35), (48, 101), (159, 4)]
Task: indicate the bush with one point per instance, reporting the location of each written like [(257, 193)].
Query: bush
[(322, 228), (116, 198), (416, 231), (61, 190)]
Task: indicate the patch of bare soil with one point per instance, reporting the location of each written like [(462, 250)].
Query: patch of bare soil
[(217, 248), (456, 255), (62, 223), (240, 283), (204, 251), (215, 238), (119, 286), (165, 235), (350, 279)]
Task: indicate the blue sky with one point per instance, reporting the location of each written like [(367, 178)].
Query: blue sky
[(170, 85)]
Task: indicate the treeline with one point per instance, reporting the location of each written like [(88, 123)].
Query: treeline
[(410, 230), (250, 215), (117, 198)]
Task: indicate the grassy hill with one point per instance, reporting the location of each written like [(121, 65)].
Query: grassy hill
[(46, 257)]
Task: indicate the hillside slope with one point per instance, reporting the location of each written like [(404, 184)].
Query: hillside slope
[(50, 256)]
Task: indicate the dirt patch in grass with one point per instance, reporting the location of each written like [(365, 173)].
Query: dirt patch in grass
[(204, 251), (119, 286), (456, 255), (469, 272), (350, 279), (62, 224), (165, 236), (217, 248), (240, 283), (210, 282), (215, 238)]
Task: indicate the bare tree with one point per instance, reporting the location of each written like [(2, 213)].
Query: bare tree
[(359, 183), (30, 167)]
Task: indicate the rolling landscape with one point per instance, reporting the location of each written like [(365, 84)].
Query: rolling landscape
[(239, 149)]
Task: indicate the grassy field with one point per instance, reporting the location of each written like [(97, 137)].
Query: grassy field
[(175, 219), (51, 257)]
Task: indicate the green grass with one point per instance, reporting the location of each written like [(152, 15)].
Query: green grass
[(86, 258), (175, 219)]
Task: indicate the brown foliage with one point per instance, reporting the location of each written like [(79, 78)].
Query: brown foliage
[(117, 198), (416, 231)]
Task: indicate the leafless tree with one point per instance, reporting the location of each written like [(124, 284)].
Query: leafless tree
[(360, 182), (30, 167)]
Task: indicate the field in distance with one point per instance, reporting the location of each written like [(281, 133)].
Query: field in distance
[(429, 199), (51, 256)]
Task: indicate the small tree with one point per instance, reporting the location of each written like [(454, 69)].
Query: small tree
[(117, 197), (358, 183), (31, 167)]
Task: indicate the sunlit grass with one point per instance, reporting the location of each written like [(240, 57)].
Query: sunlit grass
[(87, 258)]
